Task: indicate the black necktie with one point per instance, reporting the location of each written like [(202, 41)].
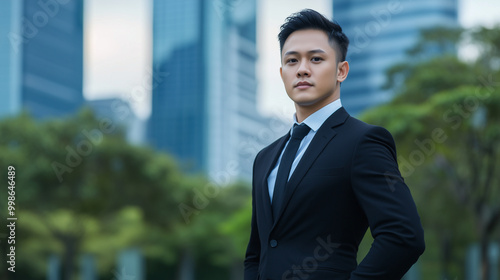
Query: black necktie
[(299, 132)]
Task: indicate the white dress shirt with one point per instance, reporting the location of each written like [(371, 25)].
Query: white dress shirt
[(314, 121)]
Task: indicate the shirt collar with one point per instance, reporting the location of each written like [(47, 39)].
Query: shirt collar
[(316, 120)]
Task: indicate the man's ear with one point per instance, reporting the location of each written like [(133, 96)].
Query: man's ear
[(281, 72), (342, 71)]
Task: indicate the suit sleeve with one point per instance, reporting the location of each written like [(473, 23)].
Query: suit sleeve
[(252, 256), (389, 207)]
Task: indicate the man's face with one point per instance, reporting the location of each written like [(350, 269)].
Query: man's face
[(309, 70)]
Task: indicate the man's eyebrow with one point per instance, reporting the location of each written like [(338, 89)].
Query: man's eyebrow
[(309, 52)]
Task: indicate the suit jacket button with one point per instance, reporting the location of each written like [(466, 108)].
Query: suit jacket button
[(273, 243)]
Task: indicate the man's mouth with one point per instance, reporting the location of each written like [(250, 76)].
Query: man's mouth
[(303, 85)]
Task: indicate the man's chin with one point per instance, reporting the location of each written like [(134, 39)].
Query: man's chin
[(313, 102), (306, 103), (304, 99)]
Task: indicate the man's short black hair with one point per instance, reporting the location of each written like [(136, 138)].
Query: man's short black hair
[(310, 19)]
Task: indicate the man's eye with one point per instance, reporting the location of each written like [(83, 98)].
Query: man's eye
[(316, 59), (291, 60)]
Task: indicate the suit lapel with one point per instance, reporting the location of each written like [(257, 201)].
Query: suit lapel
[(323, 136), (270, 160)]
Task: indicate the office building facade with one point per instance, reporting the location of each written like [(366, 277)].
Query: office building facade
[(380, 33), (204, 85), (41, 57)]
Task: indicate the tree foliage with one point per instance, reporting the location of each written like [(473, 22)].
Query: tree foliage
[(445, 121), (82, 189)]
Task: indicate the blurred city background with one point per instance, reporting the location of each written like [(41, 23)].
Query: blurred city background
[(132, 126)]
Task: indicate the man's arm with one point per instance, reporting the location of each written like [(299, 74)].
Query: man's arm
[(389, 207), (253, 250), (252, 256)]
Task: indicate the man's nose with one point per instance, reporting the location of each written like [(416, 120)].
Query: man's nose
[(303, 69)]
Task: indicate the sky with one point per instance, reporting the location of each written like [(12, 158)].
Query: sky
[(118, 47)]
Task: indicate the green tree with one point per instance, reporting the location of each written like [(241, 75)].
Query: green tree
[(80, 187), (214, 239)]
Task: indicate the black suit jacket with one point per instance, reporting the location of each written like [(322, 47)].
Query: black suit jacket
[(347, 180)]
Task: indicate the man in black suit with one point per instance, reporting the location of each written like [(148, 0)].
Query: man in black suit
[(317, 189)]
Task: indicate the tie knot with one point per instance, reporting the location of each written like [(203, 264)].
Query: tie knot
[(300, 131)]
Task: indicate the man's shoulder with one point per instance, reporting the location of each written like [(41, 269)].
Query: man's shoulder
[(357, 122), (342, 118), (362, 131), (363, 127)]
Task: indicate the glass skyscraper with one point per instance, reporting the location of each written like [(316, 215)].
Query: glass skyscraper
[(41, 57), (380, 32), (204, 84)]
